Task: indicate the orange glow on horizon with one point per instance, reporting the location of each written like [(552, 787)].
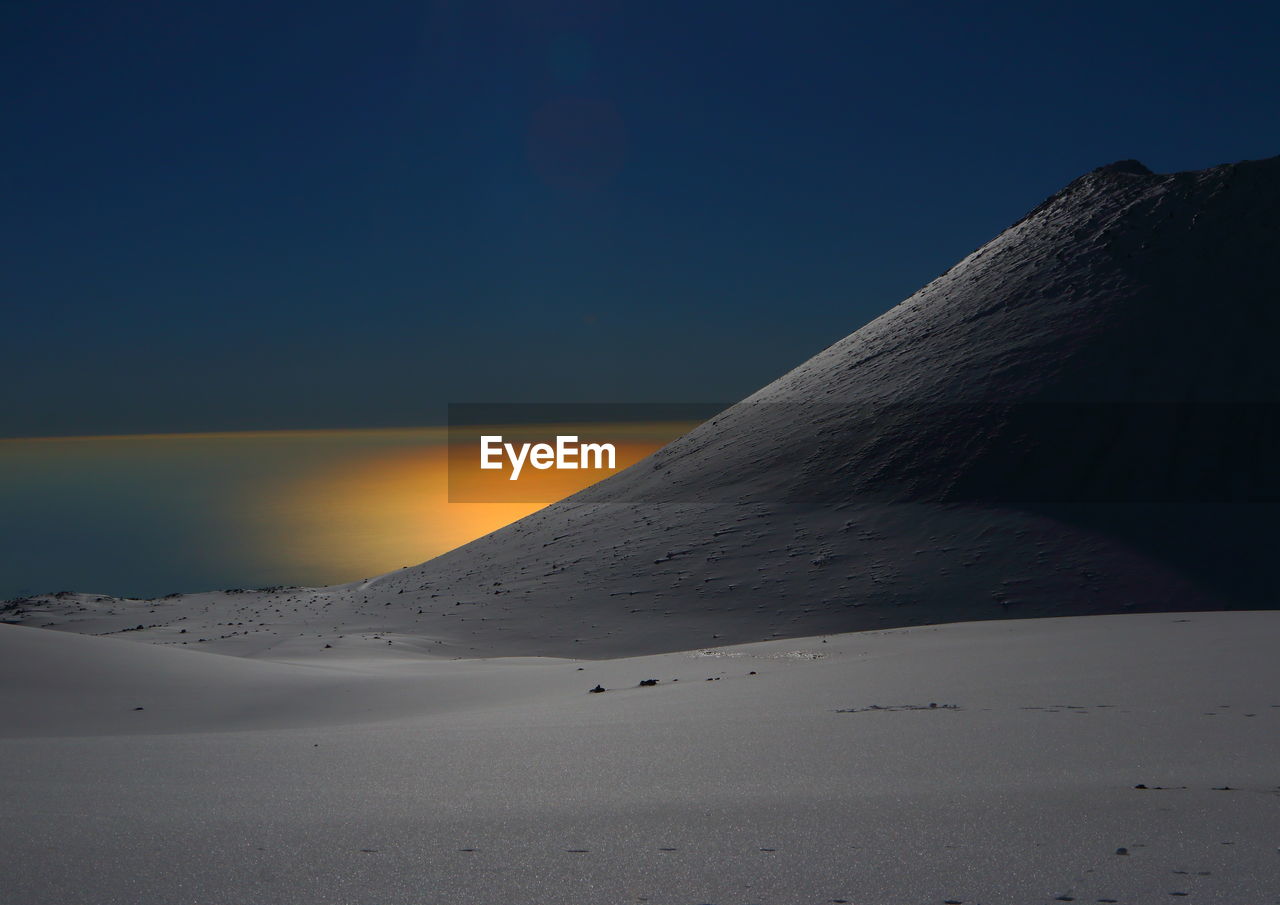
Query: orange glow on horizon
[(386, 508), (279, 507)]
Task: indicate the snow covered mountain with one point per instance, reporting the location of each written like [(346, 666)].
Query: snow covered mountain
[(1078, 418)]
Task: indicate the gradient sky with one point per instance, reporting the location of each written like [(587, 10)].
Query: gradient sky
[(233, 215)]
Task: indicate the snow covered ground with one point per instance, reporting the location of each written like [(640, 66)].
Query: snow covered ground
[(809, 770)]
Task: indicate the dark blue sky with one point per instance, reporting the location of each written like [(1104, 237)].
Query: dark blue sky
[(223, 215)]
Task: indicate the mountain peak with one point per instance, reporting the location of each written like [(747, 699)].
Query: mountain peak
[(1127, 167)]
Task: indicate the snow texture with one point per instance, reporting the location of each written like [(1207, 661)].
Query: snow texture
[(359, 781)]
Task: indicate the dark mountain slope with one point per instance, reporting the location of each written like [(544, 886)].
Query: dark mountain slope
[(1077, 418)]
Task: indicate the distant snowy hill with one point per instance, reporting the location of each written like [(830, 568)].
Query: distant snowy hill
[(1077, 418)]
